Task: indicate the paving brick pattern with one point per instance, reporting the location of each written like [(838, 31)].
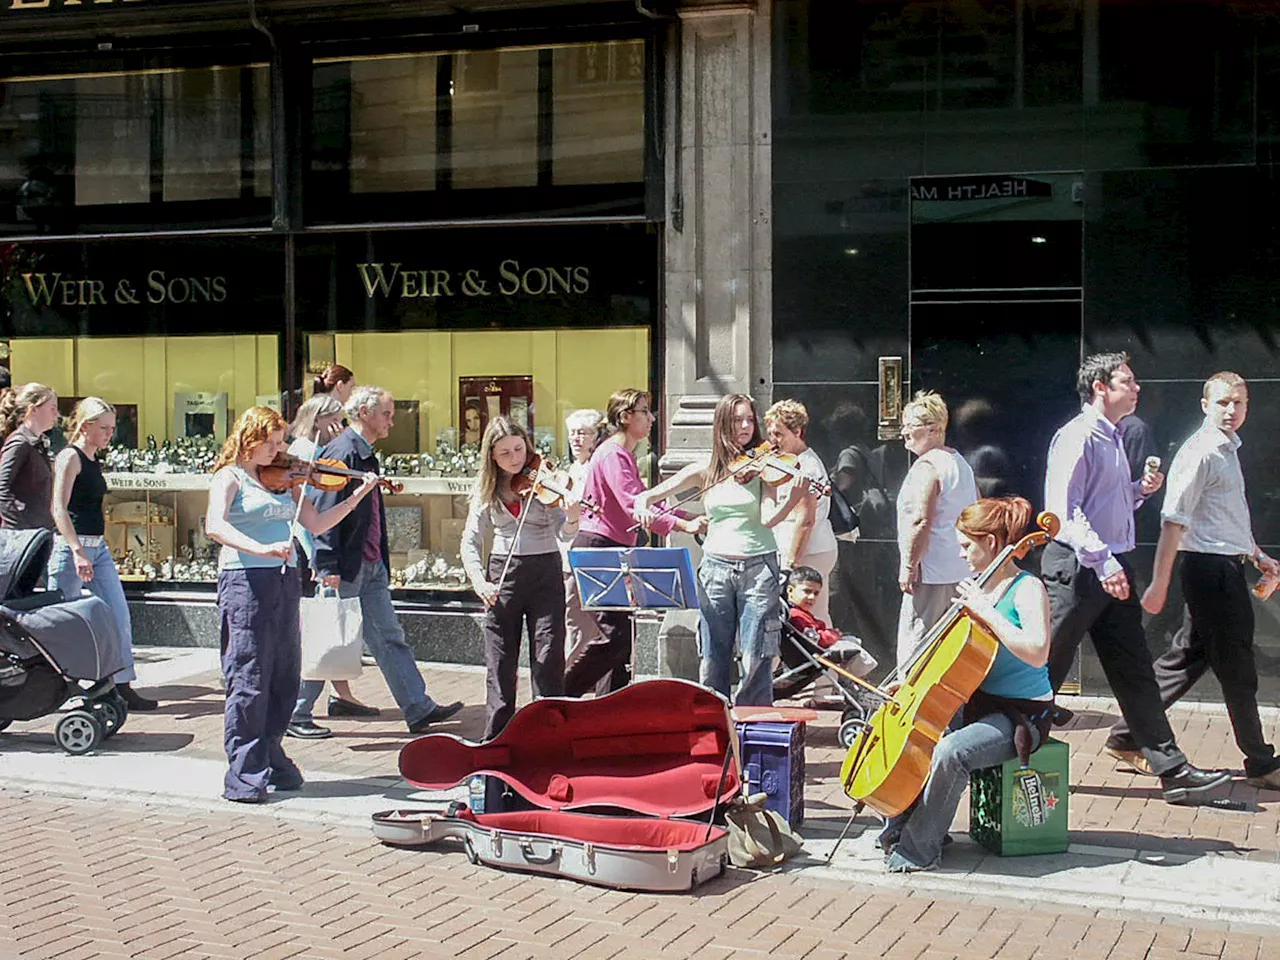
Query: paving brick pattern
[(1110, 805), (79, 880)]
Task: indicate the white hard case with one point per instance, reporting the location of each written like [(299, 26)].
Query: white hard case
[(622, 867)]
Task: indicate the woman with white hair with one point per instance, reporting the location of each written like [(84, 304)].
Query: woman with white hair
[(937, 488), (583, 429), (80, 557)]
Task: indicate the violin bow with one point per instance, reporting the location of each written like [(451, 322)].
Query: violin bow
[(524, 515), (302, 493)]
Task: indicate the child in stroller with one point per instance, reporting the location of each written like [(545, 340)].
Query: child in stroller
[(48, 645), (805, 639)]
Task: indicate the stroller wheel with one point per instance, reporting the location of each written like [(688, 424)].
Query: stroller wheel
[(110, 716), (78, 732), (849, 730)]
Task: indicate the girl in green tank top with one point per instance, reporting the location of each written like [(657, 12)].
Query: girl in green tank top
[(738, 577)]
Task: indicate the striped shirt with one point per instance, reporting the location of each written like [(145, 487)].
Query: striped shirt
[(1205, 495)]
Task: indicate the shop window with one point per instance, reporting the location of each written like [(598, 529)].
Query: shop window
[(131, 149), (480, 132)]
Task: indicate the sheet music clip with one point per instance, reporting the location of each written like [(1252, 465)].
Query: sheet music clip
[(634, 578)]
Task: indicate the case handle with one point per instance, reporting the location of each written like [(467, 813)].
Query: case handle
[(530, 856)]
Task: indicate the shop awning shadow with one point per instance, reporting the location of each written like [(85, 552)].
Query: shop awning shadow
[(1090, 720), (379, 786)]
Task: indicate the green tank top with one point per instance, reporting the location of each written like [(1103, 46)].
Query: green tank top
[(734, 529)]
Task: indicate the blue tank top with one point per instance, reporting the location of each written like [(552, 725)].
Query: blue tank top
[(258, 513), (1010, 675)]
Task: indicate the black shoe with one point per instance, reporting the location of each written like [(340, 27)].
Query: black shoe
[(288, 786), (440, 712), (1188, 781), (307, 730), (345, 708), (134, 700)]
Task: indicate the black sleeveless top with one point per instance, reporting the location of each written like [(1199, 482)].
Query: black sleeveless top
[(85, 505)]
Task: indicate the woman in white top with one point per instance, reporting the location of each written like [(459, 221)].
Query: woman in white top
[(805, 537), (937, 488), (583, 428), (317, 422)]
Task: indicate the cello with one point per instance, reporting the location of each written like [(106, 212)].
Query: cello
[(888, 762)]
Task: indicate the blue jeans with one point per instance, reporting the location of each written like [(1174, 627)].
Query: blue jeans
[(385, 639), (922, 827), (739, 601), (105, 585)]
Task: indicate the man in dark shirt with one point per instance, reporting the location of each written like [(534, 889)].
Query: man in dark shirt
[(353, 557)]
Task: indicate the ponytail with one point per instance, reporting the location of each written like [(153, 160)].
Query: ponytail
[(328, 378)]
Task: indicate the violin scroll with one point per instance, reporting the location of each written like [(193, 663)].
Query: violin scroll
[(1049, 526)]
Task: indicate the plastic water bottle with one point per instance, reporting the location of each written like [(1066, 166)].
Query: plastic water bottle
[(475, 792)]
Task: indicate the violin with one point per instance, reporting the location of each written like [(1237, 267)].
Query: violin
[(286, 472), (888, 762), (551, 488), (774, 468)]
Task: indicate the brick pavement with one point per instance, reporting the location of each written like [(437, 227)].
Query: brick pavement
[(1109, 806), (81, 880)]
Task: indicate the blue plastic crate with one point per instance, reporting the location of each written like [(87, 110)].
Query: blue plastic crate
[(773, 763)]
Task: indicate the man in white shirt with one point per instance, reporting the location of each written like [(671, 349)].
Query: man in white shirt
[(1206, 518)]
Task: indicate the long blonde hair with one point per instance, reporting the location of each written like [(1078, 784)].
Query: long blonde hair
[(87, 410), (16, 402), (251, 431), (320, 405), (485, 492), (723, 445)]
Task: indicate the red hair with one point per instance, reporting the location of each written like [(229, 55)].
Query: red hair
[(1004, 518), (251, 431)]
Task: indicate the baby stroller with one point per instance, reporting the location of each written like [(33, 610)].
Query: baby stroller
[(54, 651), (800, 668)]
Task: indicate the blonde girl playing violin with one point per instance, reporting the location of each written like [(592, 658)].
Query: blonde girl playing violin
[(522, 582), (1011, 712), (258, 593), (738, 579)]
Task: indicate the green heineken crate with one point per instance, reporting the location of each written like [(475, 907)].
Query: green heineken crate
[(1014, 812)]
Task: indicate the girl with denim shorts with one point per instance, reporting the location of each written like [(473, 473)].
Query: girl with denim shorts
[(80, 557), (258, 592), (739, 588)]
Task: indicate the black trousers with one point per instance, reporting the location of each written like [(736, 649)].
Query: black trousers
[(532, 596), (601, 664), (1217, 635), (1078, 605)]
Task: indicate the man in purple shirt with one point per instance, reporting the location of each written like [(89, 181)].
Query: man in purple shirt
[(1087, 573)]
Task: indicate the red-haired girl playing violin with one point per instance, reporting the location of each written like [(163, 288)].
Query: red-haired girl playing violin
[(258, 601)]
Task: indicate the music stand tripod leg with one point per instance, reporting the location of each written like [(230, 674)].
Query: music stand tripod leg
[(857, 809)]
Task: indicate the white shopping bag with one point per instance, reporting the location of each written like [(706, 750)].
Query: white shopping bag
[(332, 636)]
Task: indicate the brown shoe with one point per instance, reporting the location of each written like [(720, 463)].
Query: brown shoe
[(1268, 781), (1133, 758)]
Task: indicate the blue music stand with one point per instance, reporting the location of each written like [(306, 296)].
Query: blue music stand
[(634, 578)]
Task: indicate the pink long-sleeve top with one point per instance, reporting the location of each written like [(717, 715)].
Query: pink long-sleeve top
[(613, 481)]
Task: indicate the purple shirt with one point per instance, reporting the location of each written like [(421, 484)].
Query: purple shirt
[(373, 539), (1088, 486)]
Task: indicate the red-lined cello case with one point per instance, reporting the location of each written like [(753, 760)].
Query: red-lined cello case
[(664, 749)]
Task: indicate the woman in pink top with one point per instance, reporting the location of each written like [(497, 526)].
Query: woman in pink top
[(613, 480)]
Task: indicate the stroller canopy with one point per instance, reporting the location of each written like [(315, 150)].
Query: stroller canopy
[(24, 555)]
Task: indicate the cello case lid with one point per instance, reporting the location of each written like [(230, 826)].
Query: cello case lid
[(656, 747)]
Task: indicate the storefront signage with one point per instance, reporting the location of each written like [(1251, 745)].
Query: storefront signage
[(65, 290), (394, 281), (979, 188), (46, 4)]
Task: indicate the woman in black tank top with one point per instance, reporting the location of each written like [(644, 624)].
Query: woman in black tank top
[(80, 558)]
